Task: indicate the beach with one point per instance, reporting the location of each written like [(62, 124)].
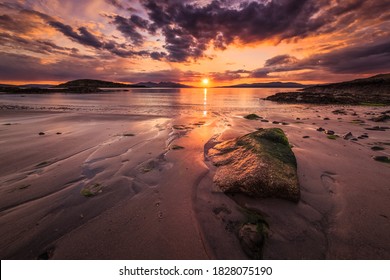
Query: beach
[(127, 175)]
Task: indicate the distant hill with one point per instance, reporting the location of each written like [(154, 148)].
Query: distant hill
[(268, 85), (378, 84), (84, 86), (107, 84), (162, 85), (83, 83), (36, 86), (6, 86), (373, 90)]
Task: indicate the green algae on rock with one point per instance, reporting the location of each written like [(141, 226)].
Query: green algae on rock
[(252, 117), (259, 164)]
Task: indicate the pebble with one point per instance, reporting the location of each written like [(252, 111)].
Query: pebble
[(348, 136), (329, 132)]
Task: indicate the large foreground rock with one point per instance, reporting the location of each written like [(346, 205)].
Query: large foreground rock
[(259, 164)]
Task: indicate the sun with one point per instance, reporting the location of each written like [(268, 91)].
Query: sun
[(205, 81)]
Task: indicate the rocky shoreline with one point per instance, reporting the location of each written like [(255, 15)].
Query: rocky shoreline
[(330, 98), (370, 91)]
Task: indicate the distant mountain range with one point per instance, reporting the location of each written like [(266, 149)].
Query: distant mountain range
[(268, 85), (94, 84), (373, 90), (83, 86), (162, 85), (106, 84), (37, 86), (27, 86), (99, 84), (378, 85)]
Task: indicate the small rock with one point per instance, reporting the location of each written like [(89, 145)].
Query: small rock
[(339, 112), (252, 117), (326, 119), (41, 133), (377, 148), (320, 129), (354, 139), (305, 137), (378, 128), (264, 120), (384, 159), (285, 123), (276, 122), (329, 132), (348, 136), (48, 254), (58, 133), (381, 118), (251, 240)]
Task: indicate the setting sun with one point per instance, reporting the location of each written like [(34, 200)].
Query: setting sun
[(205, 82)]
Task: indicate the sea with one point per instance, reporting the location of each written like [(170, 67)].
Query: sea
[(156, 101)]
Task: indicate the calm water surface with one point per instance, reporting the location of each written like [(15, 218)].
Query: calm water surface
[(156, 101)]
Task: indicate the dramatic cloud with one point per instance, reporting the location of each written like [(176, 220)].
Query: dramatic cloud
[(367, 58), (83, 37), (370, 58), (281, 60), (229, 75), (115, 3), (128, 28), (190, 28), (28, 68), (340, 37), (36, 46)]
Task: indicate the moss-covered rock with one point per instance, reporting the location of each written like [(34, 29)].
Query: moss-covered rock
[(251, 240), (252, 117), (259, 164), (91, 190)]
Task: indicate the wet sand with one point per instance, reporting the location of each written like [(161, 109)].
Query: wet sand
[(155, 198)]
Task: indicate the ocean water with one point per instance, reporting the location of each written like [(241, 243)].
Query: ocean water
[(163, 101)]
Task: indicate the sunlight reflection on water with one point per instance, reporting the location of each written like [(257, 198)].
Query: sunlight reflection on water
[(156, 101)]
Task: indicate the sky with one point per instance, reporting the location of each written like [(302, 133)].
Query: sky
[(229, 42)]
